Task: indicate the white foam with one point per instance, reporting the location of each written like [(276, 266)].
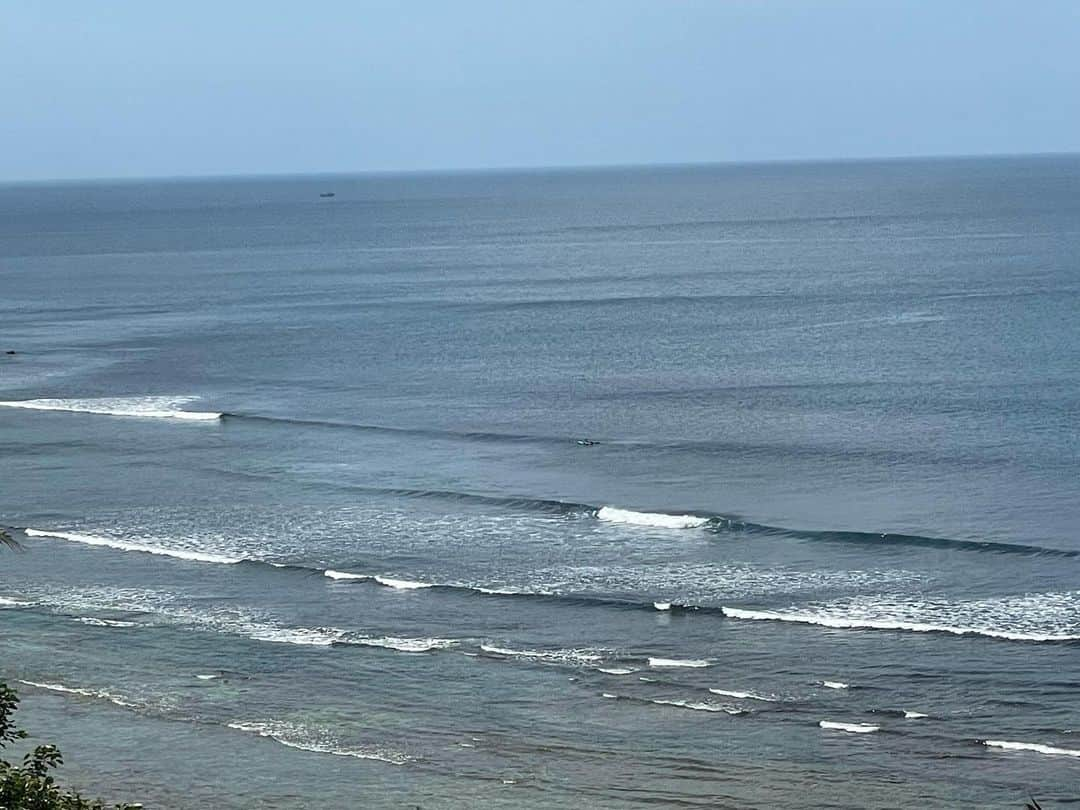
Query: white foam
[(835, 685), (124, 545), (914, 715), (332, 574), (563, 656), (697, 706), (742, 695), (207, 677), (90, 693), (7, 602), (677, 662), (96, 622), (656, 520), (306, 636), (505, 591), (140, 407), (852, 728), (609, 696), (662, 605), (402, 584), (409, 645), (314, 740), (846, 617), (1038, 748), (615, 670)]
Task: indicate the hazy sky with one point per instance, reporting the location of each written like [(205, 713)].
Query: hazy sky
[(138, 87)]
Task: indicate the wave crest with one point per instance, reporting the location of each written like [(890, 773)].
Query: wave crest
[(125, 545), (139, 407), (611, 514)]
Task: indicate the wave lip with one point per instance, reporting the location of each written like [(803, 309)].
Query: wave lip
[(1038, 748), (315, 741), (851, 728), (611, 514), (695, 663), (153, 407), (124, 545)]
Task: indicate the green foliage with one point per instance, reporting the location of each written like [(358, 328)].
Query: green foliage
[(31, 786)]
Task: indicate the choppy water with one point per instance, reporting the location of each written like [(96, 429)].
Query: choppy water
[(308, 522)]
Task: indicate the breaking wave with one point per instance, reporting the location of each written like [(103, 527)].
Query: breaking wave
[(851, 728), (695, 663), (1045, 617), (99, 694), (611, 514), (410, 645), (125, 545), (742, 695), (7, 602), (140, 407), (402, 584), (315, 740), (93, 621), (1037, 748), (550, 656), (699, 706)]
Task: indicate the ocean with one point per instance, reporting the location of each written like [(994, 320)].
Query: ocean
[(729, 486)]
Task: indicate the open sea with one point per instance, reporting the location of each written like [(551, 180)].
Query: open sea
[(744, 486)]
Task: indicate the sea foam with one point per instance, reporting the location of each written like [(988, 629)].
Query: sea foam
[(1037, 748), (99, 694), (316, 741), (409, 645), (140, 407), (851, 728), (742, 695), (93, 621), (678, 662), (402, 584), (835, 618), (698, 706), (611, 514), (557, 656), (124, 545), (332, 574)]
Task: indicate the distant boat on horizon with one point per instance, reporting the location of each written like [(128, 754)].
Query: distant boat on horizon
[(327, 194)]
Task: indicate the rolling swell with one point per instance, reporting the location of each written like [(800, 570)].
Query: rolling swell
[(997, 620), (699, 446)]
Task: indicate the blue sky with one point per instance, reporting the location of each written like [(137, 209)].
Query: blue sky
[(129, 89)]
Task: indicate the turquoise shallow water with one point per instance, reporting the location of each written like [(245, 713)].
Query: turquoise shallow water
[(529, 489)]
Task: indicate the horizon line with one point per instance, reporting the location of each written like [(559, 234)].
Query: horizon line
[(519, 168)]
